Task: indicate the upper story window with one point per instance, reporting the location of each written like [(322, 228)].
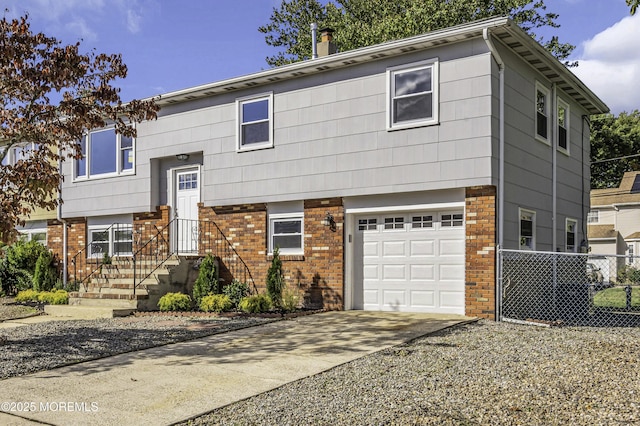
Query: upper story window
[(563, 126), (527, 230), (105, 153), (542, 113), (412, 95), (18, 152), (593, 216), (571, 228), (255, 122)]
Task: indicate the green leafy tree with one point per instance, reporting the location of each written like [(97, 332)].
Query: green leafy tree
[(45, 274), (275, 279), (616, 139), (206, 283), (360, 23), (36, 69)]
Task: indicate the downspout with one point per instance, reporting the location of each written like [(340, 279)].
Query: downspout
[(554, 167), (64, 229), (501, 142)]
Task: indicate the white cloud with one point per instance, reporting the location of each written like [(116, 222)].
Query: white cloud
[(82, 29), (133, 21), (610, 65)]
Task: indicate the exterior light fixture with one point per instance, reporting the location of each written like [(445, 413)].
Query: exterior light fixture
[(329, 221), (182, 157)]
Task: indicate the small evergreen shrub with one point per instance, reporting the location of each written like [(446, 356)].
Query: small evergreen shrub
[(206, 282), (256, 304), (275, 279), (236, 291), (45, 275), (27, 296), (215, 303), (290, 299), (57, 297), (174, 302)]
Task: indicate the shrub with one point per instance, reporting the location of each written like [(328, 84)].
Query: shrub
[(255, 304), (290, 299), (215, 303), (236, 291), (27, 296), (25, 254), (174, 302), (57, 297), (206, 282), (275, 279), (45, 275), (628, 275)]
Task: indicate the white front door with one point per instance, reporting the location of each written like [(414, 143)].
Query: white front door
[(187, 190), (410, 262)]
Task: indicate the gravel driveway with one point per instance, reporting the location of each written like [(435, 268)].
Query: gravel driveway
[(476, 374)]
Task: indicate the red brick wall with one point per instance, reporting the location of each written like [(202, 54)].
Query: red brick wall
[(147, 225), (480, 271), (318, 273)]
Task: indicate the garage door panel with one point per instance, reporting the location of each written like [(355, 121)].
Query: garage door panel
[(451, 272), (422, 248), (371, 297), (394, 272), (393, 298), (422, 272), (394, 249), (370, 249), (451, 247), (451, 299), (370, 272), (423, 299)]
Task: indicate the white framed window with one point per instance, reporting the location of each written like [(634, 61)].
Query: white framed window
[(105, 153), (451, 220), (255, 122), (593, 216), (18, 152), (412, 92), (630, 253), (563, 126), (422, 221), (527, 234), (286, 231), (393, 223), (367, 224), (571, 228), (542, 113), (38, 235), (116, 240)]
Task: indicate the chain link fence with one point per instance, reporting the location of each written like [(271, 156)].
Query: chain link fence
[(569, 289)]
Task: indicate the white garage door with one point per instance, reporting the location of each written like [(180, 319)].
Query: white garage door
[(410, 262)]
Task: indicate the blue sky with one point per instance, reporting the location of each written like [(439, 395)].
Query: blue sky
[(174, 44)]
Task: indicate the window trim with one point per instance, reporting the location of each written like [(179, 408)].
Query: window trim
[(521, 246), (432, 63), (547, 94), (288, 217), (120, 171), (111, 240), (567, 114), (248, 99), (566, 235), (593, 214), (29, 233), (453, 219), (10, 158)]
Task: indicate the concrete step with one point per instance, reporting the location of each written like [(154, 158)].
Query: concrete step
[(86, 312), (104, 303), (111, 290)]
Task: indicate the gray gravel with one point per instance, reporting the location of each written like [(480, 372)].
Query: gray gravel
[(47, 345), (479, 374), (484, 373)]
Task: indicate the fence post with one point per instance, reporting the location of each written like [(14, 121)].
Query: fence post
[(627, 291)]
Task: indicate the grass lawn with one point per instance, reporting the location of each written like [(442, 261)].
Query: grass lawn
[(616, 297)]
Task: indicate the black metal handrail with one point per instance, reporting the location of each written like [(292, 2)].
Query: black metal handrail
[(91, 257), (190, 238)]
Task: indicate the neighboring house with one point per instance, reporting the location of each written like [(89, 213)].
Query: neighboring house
[(387, 175), (35, 228), (614, 220)]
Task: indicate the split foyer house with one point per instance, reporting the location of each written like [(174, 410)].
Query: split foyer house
[(386, 175)]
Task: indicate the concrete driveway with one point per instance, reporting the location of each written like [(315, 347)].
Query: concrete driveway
[(176, 382)]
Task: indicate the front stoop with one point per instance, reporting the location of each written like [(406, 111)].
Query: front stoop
[(86, 312), (110, 293)]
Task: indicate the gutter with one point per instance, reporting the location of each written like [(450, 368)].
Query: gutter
[(554, 166), (496, 55), (64, 229)]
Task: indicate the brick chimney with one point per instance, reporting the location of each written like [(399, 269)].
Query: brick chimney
[(326, 46)]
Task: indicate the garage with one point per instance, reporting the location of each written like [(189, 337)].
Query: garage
[(410, 262)]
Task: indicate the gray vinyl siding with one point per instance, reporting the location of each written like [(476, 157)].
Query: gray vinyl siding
[(330, 140)]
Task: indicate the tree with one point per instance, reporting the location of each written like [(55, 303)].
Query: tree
[(360, 23), (35, 70), (634, 5), (275, 279), (612, 138)]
